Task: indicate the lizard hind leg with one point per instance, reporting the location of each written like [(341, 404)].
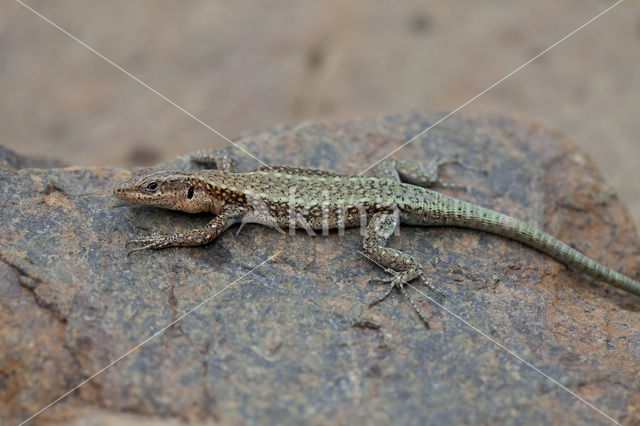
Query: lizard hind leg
[(221, 159), (403, 267), (425, 176)]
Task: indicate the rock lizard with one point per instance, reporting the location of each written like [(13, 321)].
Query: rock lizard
[(291, 197)]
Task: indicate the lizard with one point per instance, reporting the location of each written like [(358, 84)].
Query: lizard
[(311, 199)]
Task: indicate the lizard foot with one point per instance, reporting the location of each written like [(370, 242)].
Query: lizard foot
[(435, 164), (395, 282), (403, 278), (149, 242), (455, 159), (390, 288), (398, 281)]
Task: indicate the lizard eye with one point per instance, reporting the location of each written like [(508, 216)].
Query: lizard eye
[(153, 186), (190, 193)]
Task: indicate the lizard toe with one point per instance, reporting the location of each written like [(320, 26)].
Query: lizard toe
[(149, 239), (378, 281), (431, 287), (137, 249), (382, 297)]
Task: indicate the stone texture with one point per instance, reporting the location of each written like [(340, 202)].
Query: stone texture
[(294, 341)]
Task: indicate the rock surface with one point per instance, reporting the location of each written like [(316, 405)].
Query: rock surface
[(294, 340)]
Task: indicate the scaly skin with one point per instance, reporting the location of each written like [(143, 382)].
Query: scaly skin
[(289, 197)]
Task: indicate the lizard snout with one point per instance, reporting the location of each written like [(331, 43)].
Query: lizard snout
[(118, 190), (122, 191)]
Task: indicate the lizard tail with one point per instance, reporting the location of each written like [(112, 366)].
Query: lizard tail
[(463, 214)]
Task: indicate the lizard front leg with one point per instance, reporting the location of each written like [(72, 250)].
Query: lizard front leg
[(404, 171), (196, 237)]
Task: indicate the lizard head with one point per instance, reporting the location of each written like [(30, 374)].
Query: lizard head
[(169, 189)]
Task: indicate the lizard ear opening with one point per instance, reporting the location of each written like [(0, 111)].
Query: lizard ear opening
[(190, 193)]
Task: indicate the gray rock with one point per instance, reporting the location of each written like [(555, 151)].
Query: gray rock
[(294, 341)]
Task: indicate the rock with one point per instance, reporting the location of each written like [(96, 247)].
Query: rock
[(294, 340), (10, 159)]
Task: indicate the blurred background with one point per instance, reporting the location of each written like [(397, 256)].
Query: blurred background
[(245, 65)]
